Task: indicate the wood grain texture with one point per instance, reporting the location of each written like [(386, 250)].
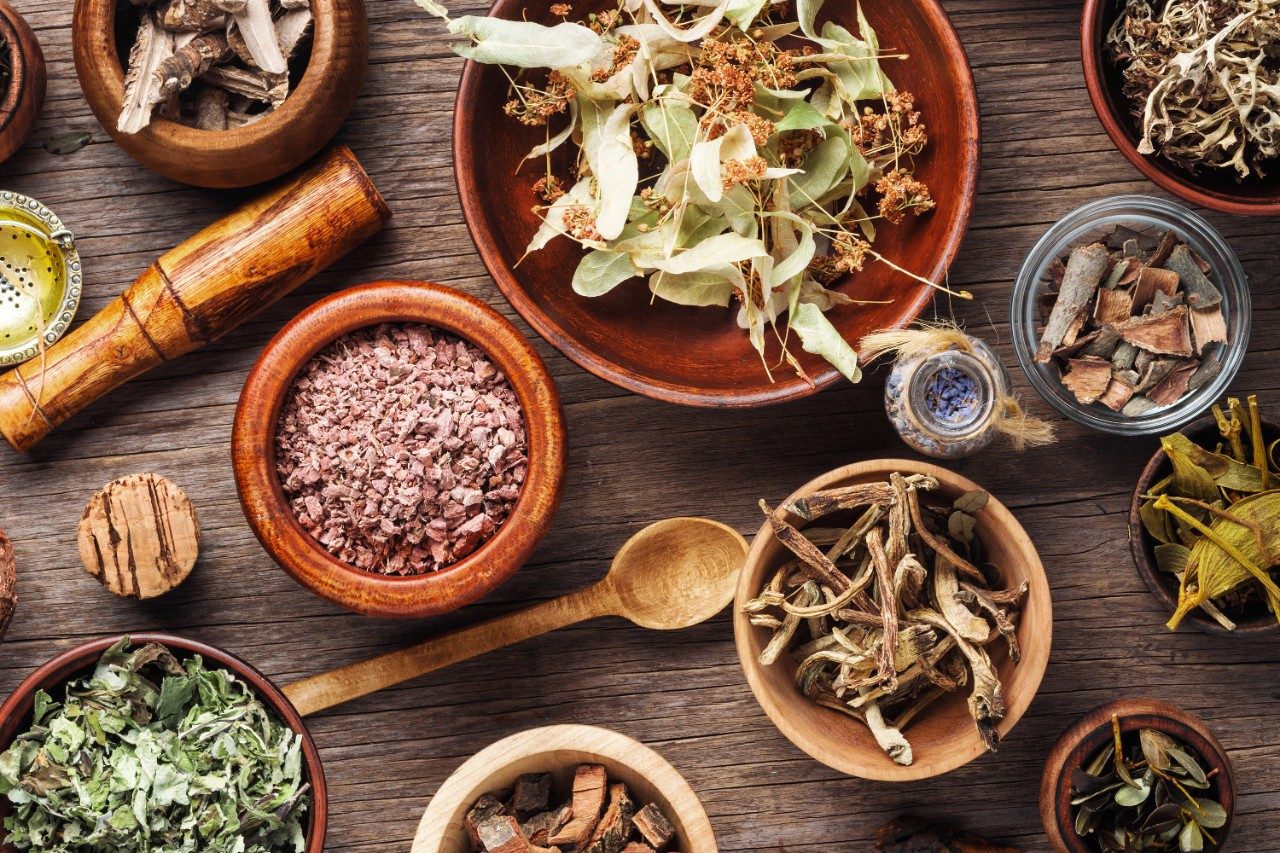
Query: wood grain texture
[(139, 536), (631, 460), (8, 583), (243, 156), (21, 102), (558, 750)]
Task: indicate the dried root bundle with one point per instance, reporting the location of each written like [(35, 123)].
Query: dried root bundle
[(886, 615)]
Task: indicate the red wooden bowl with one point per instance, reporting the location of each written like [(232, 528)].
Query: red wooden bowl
[(699, 356), (1220, 192), (1092, 732), (21, 103), (253, 449), (15, 714)]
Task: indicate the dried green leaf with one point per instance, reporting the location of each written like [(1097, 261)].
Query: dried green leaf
[(1191, 840), (600, 271), (671, 125), (706, 287), (525, 44), (819, 337), (972, 502), (1209, 814), (606, 141), (1172, 557)]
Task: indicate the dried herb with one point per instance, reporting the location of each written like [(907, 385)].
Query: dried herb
[(1145, 791), (6, 65), (1203, 80), (1216, 519), (887, 614), (150, 753), (8, 583), (67, 143), (712, 161), (596, 816), (1135, 323)]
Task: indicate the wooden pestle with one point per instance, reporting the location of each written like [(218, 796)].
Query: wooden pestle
[(198, 291)]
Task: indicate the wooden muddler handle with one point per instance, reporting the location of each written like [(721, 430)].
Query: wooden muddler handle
[(197, 292)]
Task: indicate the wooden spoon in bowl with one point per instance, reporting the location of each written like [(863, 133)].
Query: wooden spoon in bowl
[(672, 574)]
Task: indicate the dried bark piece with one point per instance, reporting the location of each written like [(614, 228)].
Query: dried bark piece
[(1085, 268), (1087, 378), (263, 88), (590, 786), (1165, 334), (211, 108), (1137, 406), (195, 15), (541, 826), (1199, 290), (1114, 307), (1208, 370), (1175, 384), (828, 501), (259, 32), (653, 827), (486, 807), (1104, 343), (1124, 356), (141, 85), (532, 793), (196, 57), (292, 27), (1123, 235), (139, 536), (1162, 251), (888, 651), (8, 583), (637, 847), (611, 833), (1208, 326), (1164, 302), (1155, 373), (501, 834), (1117, 394), (1152, 280)]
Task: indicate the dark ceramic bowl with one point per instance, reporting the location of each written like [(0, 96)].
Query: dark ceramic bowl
[(699, 356), (15, 714), (1257, 619), (21, 102), (1092, 732), (1220, 192)]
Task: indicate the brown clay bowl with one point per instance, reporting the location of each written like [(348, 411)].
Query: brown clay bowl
[(21, 103), (699, 356), (325, 84), (15, 713), (1257, 620), (558, 750), (1092, 732), (254, 454), (944, 736), (1220, 192)]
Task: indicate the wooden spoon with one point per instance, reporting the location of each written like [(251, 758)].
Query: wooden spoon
[(672, 574)]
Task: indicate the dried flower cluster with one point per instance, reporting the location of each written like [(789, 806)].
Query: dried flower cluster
[(401, 449), (894, 614), (212, 64), (721, 166), (1203, 78)]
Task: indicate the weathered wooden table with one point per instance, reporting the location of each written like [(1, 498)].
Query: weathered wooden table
[(631, 461)]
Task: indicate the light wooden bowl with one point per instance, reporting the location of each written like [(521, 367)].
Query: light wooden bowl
[(15, 713), (558, 750), (253, 449), (240, 157), (20, 105), (699, 356), (944, 736), (1092, 732)]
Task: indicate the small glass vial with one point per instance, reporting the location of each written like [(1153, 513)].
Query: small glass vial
[(40, 278), (947, 404)]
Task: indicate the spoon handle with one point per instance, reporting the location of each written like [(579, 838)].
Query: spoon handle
[(324, 691)]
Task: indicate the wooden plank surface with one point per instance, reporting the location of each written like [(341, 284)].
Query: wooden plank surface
[(631, 461)]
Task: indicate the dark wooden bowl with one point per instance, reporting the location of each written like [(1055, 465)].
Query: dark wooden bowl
[(254, 452), (242, 156), (1092, 732), (1257, 620), (1220, 192), (944, 736), (15, 714), (699, 356), (21, 103)]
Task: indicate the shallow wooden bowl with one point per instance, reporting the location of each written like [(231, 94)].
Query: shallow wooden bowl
[(1220, 192), (699, 356), (254, 453), (558, 750), (21, 103), (1092, 732), (944, 736), (243, 156), (15, 714), (1257, 620)]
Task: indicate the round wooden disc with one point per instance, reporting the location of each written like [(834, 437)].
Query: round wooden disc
[(8, 583), (139, 536)]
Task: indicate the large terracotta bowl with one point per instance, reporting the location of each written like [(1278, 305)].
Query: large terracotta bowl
[(15, 714), (699, 356), (1217, 190), (943, 737), (254, 451), (21, 102)]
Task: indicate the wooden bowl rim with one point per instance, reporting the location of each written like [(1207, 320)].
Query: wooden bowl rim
[(253, 449), (65, 665), (1251, 628), (1153, 168), (1035, 653), (607, 747), (1092, 731), (19, 75), (781, 390)]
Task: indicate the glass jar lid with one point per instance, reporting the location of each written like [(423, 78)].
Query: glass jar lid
[(40, 278)]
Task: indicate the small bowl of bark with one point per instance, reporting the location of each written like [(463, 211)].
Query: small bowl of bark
[(573, 788), (1131, 315), (399, 449), (1215, 483), (22, 80), (221, 93), (893, 620), (1137, 774)]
